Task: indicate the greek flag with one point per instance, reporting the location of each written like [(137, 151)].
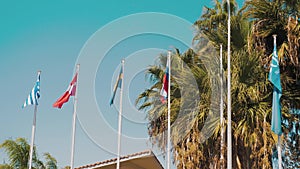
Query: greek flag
[(34, 94), (274, 78)]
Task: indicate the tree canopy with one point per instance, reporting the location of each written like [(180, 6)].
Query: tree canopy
[(252, 28)]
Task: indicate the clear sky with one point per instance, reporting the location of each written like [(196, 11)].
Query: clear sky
[(52, 36)]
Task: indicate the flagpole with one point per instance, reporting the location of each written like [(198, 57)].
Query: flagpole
[(221, 109), (33, 133), (74, 119), (279, 153), (120, 116), (229, 135), (32, 136), (279, 138), (169, 112)]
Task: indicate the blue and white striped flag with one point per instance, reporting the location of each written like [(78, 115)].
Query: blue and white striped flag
[(34, 94)]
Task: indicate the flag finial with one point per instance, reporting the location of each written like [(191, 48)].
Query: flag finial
[(274, 37)]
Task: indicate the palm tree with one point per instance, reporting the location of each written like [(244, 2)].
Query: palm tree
[(5, 166), (18, 154), (251, 106), (241, 35), (67, 167), (51, 162), (250, 110), (278, 17), (253, 140), (150, 102)]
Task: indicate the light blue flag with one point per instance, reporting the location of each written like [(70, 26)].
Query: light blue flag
[(117, 85), (274, 78), (32, 98)]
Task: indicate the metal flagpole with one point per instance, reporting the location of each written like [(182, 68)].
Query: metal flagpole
[(279, 153), (120, 116), (33, 133), (74, 119), (279, 138), (229, 135), (169, 112), (221, 109), (32, 136)]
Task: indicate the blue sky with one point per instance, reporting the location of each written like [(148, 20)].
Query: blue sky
[(52, 36)]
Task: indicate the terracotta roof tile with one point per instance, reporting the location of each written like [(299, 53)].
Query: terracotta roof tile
[(114, 160)]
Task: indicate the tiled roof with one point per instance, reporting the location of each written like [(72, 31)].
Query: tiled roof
[(122, 158)]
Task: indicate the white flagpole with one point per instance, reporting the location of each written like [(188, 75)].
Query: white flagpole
[(279, 138), (74, 119), (279, 153), (120, 116), (229, 135), (221, 109), (33, 133), (32, 136), (169, 112)]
